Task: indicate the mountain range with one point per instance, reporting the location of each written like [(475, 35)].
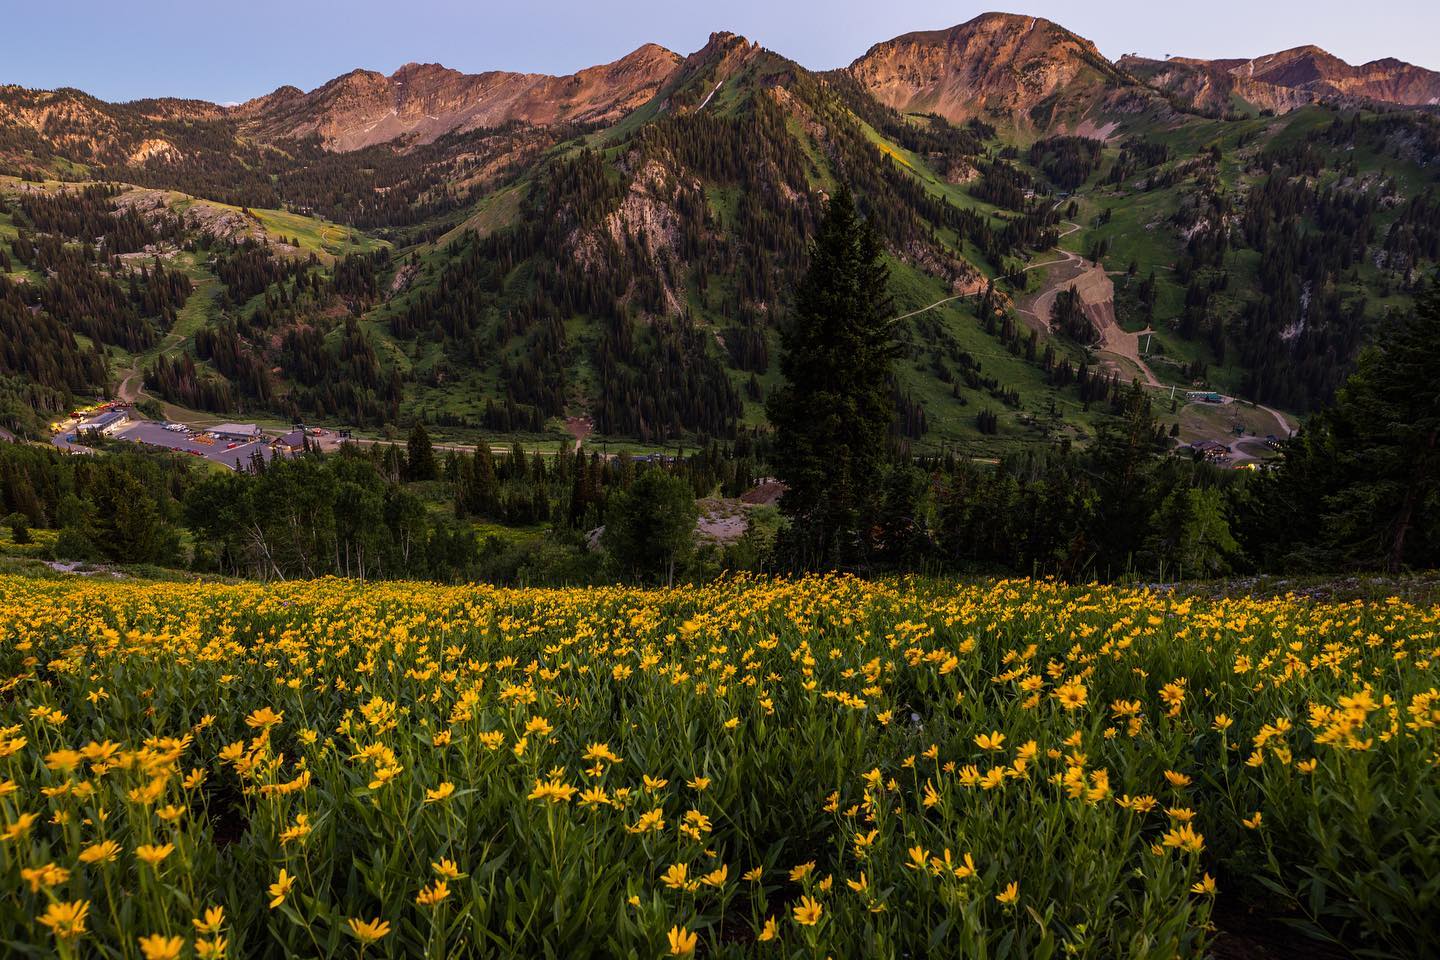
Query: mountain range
[(1000, 67), (1288, 79), (422, 101), (504, 251)]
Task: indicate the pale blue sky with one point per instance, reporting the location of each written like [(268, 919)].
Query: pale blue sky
[(230, 50)]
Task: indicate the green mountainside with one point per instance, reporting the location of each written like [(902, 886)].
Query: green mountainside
[(631, 266)]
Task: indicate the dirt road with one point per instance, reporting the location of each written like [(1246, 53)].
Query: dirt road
[(1066, 258), (937, 303), (132, 386), (579, 428), (1097, 297), (1118, 342)]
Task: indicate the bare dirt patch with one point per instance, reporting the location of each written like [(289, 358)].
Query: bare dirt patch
[(721, 521), (766, 493), (579, 428)]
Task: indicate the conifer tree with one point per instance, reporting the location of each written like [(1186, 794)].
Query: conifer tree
[(833, 414), (1360, 488), (1121, 463), (421, 455)]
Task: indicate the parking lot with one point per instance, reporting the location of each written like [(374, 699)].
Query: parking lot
[(154, 434)]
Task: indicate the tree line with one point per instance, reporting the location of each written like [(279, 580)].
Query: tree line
[(1358, 489)]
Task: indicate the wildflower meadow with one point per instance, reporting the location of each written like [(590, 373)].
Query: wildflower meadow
[(823, 767)]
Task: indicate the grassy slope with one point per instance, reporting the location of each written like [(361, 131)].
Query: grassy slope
[(17, 271), (954, 421), (491, 213), (950, 420), (313, 235), (1140, 231), (326, 240)]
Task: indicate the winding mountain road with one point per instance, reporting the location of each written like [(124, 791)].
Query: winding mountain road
[(1092, 279)]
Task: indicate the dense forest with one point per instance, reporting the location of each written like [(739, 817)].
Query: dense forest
[(1357, 489), (642, 274), (385, 511), (642, 280), (1120, 509)]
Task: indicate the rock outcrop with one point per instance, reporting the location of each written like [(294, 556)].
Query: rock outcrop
[(1286, 80), (997, 66), (1014, 70), (418, 103), (424, 101)]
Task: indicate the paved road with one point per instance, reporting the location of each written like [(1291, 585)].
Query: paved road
[(60, 442)]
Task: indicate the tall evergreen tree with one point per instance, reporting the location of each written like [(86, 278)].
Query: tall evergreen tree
[(1122, 462), (1360, 488), (832, 416), (1190, 535), (421, 455)]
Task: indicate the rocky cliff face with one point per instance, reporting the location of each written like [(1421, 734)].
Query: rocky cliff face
[(1286, 80), (75, 125), (997, 66), (1204, 86), (419, 102), (1312, 69), (726, 71), (1014, 70), (425, 101)]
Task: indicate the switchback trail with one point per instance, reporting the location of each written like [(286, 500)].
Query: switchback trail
[(1068, 256), (937, 303)]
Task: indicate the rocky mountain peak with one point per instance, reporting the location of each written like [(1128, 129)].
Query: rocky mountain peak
[(423, 71), (1287, 79), (424, 101), (998, 65), (724, 50)]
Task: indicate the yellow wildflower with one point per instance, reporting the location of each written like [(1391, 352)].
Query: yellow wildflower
[(157, 946), (442, 792), (368, 931), (66, 920), (153, 854), (682, 942), (807, 914), (280, 889)]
